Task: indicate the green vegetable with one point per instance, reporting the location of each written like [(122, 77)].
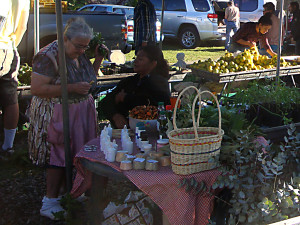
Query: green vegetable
[(96, 40)]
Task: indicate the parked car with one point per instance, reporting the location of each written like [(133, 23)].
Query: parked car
[(121, 9), (250, 10), (111, 25), (127, 10), (190, 21)]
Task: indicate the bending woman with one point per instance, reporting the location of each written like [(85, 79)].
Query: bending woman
[(148, 87), (46, 145), (250, 33)]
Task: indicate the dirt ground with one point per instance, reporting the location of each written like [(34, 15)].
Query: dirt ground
[(22, 187)]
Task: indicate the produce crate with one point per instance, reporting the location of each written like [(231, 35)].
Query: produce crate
[(245, 75)]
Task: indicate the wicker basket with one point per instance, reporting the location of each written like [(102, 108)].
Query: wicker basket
[(191, 148)]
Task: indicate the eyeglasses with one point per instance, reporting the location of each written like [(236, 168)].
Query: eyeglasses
[(79, 47)]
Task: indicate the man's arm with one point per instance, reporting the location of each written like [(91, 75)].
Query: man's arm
[(22, 26)]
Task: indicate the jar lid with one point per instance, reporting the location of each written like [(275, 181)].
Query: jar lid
[(163, 141)]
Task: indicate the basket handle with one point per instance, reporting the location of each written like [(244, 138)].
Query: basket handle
[(195, 126), (218, 106)]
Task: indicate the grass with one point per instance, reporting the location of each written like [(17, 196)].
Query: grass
[(213, 50)]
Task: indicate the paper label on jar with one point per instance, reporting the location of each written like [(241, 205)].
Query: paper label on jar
[(152, 161), (139, 160)]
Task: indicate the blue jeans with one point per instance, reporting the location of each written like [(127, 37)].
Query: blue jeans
[(230, 26)]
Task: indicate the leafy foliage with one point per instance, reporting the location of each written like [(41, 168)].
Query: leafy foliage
[(24, 75), (264, 179), (193, 186), (96, 40), (278, 100), (76, 4)]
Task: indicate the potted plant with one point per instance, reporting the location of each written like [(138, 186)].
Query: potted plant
[(271, 104), (264, 179)]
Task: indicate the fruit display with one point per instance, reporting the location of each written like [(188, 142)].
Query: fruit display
[(248, 60), (144, 112)]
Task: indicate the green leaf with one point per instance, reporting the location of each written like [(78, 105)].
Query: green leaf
[(242, 194)]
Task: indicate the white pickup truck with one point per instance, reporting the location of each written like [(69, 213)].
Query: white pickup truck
[(112, 27)]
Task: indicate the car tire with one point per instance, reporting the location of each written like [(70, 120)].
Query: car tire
[(189, 38)]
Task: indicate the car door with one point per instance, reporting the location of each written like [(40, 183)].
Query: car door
[(174, 15), (202, 15)]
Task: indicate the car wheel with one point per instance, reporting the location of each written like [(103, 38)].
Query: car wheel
[(189, 38)]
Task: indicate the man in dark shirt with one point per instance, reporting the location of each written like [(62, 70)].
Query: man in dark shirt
[(250, 33), (295, 25), (144, 24)]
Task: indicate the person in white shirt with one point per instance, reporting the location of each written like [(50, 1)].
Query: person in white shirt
[(232, 19), (13, 20)]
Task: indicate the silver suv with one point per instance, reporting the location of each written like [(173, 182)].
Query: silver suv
[(188, 20)]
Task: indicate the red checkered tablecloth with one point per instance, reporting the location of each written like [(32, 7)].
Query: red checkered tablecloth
[(180, 207)]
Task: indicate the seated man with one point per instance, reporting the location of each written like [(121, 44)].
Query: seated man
[(250, 33)]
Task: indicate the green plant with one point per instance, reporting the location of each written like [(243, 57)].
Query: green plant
[(24, 75), (191, 185), (264, 180), (76, 4), (278, 100), (96, 40), (72, 206)]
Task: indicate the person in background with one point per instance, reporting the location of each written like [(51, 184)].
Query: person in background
[(232, 19), (295, 25), (45, 135), (144, 25), (13, 20), (273, 33), (148, 87), (250, 33)]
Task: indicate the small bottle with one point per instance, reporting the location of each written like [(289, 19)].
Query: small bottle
[(162, 120), (169, 112), (160, 107)]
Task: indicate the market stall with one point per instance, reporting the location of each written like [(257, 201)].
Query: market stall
[(161, 186)]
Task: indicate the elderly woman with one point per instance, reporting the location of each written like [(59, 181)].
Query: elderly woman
[(46, 131), (148, 87)]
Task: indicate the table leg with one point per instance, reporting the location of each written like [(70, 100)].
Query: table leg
[(165, 219), (97, 199)]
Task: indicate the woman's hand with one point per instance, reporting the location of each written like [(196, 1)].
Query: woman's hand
[(81, 88), (120, 96), (98, 55), (99, 58), (251, 44), (119, 121)]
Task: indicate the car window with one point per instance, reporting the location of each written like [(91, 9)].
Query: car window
[(129, 12), (247, 5), (171, 5), (220, 5), (201, 5), (88, 8), (116, 10), (101, 9)]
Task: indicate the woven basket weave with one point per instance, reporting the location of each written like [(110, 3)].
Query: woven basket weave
[(191, 148)]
